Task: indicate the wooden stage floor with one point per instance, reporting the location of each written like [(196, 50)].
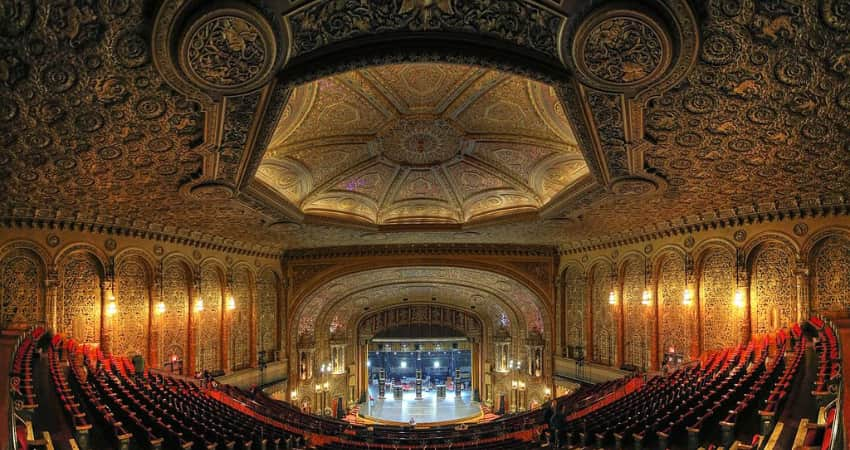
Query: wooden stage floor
[(427, 411)]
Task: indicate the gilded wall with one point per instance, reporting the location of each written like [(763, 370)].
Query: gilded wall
[(66, 280), (604, 331), (784, 271), (635, 329)]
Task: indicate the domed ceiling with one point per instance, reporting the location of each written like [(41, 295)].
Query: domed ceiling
[(422, 143)]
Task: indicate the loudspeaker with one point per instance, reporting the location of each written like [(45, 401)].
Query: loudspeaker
[(454, 345)]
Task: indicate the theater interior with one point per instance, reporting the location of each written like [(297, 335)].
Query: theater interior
[(424, 224)]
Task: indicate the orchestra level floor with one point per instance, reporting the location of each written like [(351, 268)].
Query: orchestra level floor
[(427, 410)]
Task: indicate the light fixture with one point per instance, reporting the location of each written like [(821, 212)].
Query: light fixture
[(647, 298), (404, 364), (293, 395), (318, 388), (231, 303), (513, 384), (368, 363), (326, 386), (160, 307), (612, 298), (199, 304), (688, 297), (738, 300), (436, 364), (110, 295), (547, 392), (111, 308)]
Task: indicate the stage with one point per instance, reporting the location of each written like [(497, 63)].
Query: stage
[(427, 411)]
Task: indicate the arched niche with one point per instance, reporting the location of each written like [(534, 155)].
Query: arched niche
[(177, 287), (604, 322), (829, 262), (80, 306), (22, 274), (720, 319), (675, 320), (130, 326), (773, 287)]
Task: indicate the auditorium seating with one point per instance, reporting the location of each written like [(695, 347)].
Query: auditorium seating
[(728, 399)]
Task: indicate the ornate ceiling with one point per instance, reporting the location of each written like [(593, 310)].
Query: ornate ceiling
[(152, 119), (422, 143)]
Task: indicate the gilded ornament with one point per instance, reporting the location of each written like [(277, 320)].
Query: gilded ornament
[(623, 50), (228, 50), (52, 240), (425, 8), (158, 250), (801, 229), (110, 244), (689, 242), (740, 236)]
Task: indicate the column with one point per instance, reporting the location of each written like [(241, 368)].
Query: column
[(157, 319), (804, 303), (51, 299)]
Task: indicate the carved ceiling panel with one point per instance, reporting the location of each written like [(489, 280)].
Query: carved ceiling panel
[(351, 295), (421, 143)]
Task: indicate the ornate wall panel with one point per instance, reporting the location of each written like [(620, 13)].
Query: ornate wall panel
[(176, 280), (604, 326), (636, 318), (831, 275), (676, 319), (437, 315), (80, 307), (23, 297), (773, 292), (240, 325), (209, 348), (267, 311), (720, 318), (574, 282), (130, 325)]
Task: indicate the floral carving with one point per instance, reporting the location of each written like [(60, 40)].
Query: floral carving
[(227, 52), (622, 50)]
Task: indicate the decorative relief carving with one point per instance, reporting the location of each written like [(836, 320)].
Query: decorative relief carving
[(604, 329), (773, 291), (267, 299), (227, 51), (23, 298), (407, 315), (720, 318), (209, 320), (574, 292), (130, 325), (676, 319), (329, 22), (81, 298), (176, 282), (421, 142), (831, 277), (622, 50), (636, 344), (240, 320)]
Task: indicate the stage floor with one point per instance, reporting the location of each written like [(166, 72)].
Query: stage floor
[(428, 410)]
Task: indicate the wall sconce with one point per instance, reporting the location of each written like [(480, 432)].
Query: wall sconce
[(199, 305), (293, 395), (612, 298), (111, 308), (318, 388), (326, 387), (160, 308), (688, 297), (231, 303), (647, 297), (738, 300), (547, 392)]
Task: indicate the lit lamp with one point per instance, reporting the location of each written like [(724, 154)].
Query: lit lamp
[(293, 395), (231, 303), (612, 298), (688, 297), (199, 304), (111, 306), (646, 300), (160, 308), (738, 300), (547, 393)]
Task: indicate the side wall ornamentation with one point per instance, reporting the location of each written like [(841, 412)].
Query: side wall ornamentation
[(716, 293)]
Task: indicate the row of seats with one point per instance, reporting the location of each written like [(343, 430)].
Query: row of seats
[(820, 435), (686, 406), (21, 375), (74, 413)]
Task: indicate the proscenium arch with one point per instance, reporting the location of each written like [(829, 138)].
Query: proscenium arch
[(330, 292)]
